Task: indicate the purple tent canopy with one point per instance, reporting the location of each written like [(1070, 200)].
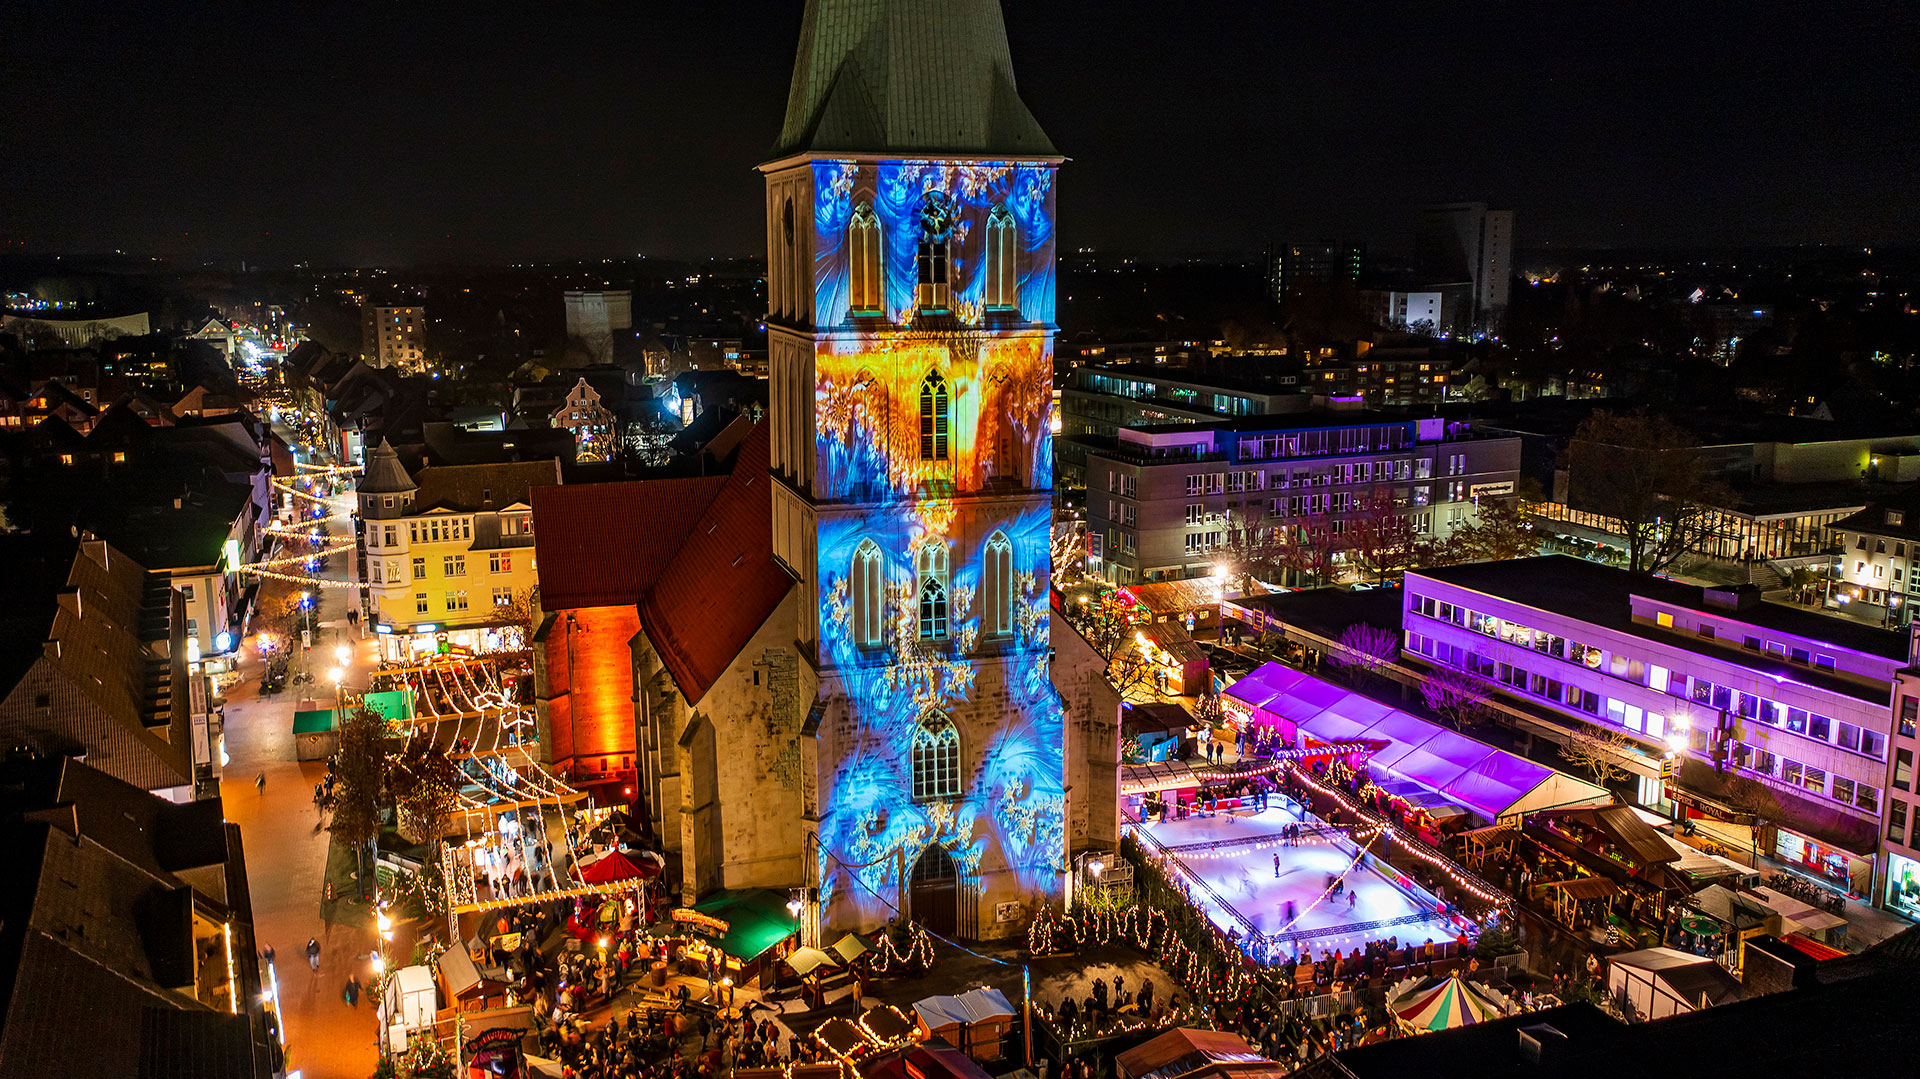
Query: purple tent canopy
[(1490, 782), (1263, 685)]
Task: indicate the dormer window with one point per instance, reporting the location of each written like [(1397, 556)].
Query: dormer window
[(1896, 518)]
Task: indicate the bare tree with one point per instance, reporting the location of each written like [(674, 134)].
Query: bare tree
[(1384, 537), (1597, 751), (1366, 650), (361, 771), (1648, 479), (1458, 696), (1501, 530), (1132, 671)]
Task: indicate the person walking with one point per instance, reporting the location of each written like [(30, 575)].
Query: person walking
[(313, 953), (260, 783), (1276, 867), (352, 992)]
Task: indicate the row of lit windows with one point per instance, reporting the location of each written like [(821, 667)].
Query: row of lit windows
[(867, 576), (866, 273)]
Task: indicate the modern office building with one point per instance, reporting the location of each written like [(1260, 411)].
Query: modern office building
[(394, 337), (449, 551), (1466, 241), (1777, 718), (1315, 260), (1098, 400), (1162, 499)]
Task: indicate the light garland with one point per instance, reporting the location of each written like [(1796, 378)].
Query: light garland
[(1418, 848), (919, 948)]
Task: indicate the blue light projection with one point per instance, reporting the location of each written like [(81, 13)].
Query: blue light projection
[(877, 484), (897, 190)]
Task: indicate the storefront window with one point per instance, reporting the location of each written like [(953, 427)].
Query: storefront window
[(1903, 885)]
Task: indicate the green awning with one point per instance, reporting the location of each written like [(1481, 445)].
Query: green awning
[(757, 919), (317, 721), (395, 705)]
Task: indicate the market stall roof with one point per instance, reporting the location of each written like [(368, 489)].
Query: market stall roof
[(887, 1023), (1585, 887), (1811, 919), (1698, 865), (1177, 597), (1488, 781), (985, 1005), (840, 1035), (849, 947), (1178, 1052), (805, 961), (938, 1013), (1620, 825), (930, 1061), (757, 919), (313, 721), (457, 967)]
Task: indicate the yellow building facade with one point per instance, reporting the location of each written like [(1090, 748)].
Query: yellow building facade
[(449, 557)]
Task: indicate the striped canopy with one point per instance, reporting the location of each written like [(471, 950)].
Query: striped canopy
[(1423, 1007)]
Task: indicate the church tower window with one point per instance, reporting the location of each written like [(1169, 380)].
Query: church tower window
[(1002, 289), (996, 587), (864, 292), (869, 595), (936, 758), (933, 592), (933, 262), (935, 417)]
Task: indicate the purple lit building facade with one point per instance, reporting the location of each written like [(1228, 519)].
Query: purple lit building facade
[(1779, 722)]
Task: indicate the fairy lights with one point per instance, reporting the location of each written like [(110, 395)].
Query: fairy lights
[(1472, 884)]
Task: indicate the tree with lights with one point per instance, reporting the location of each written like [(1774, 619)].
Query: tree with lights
[(360, 771), (1458, 696)]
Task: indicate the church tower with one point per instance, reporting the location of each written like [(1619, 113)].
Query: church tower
[(910, 278)]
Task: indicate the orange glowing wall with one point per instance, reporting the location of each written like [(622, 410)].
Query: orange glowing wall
[(590, 672)]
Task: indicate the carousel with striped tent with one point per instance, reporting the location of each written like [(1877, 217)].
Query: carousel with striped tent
[(1424, 1005)]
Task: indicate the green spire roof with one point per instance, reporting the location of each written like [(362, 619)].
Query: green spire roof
[(907, 76)]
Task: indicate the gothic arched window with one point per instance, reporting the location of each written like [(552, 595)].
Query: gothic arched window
[(936, 758), (932, 259), (869, 580), (864, 293), (932, 575), (996, 587), (1003, 289), (934, 417)]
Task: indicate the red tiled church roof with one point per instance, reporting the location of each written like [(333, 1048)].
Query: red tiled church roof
[(723, 584), (605, 544)]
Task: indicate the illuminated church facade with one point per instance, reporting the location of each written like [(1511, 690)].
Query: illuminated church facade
[(910, 210), (846, 681)]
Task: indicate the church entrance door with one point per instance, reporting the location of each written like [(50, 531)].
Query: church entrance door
[(935, 891)]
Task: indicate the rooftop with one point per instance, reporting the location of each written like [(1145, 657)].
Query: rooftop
[(907, 76), (476, 488), (1602, 595), (605, 544)]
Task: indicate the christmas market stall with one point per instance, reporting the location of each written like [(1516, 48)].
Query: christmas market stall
[(736, 934), (976, 1021)]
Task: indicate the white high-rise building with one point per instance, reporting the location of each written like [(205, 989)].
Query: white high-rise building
[(1465, 241)]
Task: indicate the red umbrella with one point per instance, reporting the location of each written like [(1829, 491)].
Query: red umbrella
[(611, 867)]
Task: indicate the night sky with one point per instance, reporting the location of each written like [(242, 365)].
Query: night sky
[(396, 133)]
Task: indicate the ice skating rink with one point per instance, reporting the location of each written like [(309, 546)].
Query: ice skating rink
[(1243, 876)]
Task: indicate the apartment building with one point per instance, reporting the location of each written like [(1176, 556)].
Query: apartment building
[(1163, 500), (449, 551), (394, 337), (1767, 725), (1875, 551)]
